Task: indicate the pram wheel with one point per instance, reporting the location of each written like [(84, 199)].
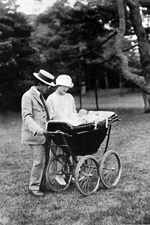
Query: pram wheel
[(58, 173), (87, 175), (110, 169)]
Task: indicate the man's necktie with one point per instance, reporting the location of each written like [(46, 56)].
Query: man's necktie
[(44, 103)]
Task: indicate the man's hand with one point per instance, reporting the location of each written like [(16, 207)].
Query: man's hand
[(52, 117), (40, 131)]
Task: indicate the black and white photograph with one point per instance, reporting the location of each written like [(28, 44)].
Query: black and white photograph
[(74, 112)]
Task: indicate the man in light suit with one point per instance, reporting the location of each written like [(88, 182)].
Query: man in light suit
[(34, 118)]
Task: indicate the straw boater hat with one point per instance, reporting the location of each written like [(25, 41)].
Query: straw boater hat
[(64, 80), (45, 77)]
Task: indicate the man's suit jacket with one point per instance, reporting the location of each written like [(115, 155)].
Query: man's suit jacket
[(34, 116)]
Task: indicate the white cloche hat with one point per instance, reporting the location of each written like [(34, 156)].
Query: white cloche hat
[(64, 80)]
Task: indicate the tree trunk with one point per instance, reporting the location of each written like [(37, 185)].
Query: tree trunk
[(140, 81), (96, 94), (144, 47), (106, 81), (80, 84), (145, 3), (146, 99)]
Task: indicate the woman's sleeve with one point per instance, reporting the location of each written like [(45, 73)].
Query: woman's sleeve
[(74, 105), (50, 107)]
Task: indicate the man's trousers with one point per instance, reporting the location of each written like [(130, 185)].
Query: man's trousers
[(40, 157)]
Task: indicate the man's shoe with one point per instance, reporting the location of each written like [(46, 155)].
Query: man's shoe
[(60, 179), (73, 180), (37, 193)]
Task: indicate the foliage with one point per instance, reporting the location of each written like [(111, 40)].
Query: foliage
[(68, 47), (15, 52), (73, 40)]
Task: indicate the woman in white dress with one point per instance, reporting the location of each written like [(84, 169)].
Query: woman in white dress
[(61, 105)]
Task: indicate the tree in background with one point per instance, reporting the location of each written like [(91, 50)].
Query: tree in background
[(130, 22), (143, 43), (15, 52), (62, 41), (83, 41), (80, 41), (75, 47)]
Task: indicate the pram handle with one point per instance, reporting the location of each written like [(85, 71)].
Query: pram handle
[(57, 132)]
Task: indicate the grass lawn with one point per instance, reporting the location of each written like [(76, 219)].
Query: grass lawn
[(128, 203)]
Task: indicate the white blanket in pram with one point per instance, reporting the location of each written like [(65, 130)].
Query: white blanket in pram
[(91, 117)]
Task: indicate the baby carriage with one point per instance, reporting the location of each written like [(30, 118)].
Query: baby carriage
[(83, 140)]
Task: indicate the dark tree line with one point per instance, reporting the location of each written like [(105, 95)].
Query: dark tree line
[(15, 52), (83, 41)]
